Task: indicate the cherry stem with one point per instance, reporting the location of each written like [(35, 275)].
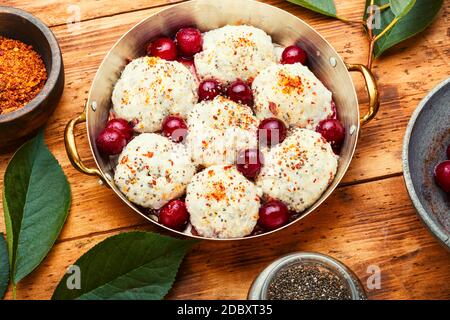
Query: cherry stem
[(370, 35)]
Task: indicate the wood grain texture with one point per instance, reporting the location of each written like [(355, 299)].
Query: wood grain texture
[(378, 152), (371, 224), (364, 223), (55, 12)]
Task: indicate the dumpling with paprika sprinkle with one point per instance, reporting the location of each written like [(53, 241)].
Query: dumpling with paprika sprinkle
[(222, 203), (152, 170), (298, 170), (293, 94)]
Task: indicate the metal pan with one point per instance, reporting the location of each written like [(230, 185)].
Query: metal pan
[(284, 28)]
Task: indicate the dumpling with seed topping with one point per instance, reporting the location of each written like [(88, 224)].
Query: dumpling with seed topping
[(234, 52), (298, 170), (222, 203), (152, 170), (150, 89), (218, 130), (292, 93)]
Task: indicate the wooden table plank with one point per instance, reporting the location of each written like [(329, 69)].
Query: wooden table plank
[(378, 152), (56, 12), (363, 225), (400, 90), (404, 76)]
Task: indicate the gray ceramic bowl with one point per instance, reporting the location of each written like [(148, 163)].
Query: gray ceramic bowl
[(424, 146), (22, 123)]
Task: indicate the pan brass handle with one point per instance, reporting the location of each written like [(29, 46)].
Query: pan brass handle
[(372, 90), (72, 151)]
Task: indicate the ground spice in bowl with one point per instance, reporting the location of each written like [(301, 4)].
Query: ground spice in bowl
[(307, 282), (22, 74)]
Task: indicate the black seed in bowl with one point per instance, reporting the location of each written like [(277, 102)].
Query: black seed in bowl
[(300, 281)]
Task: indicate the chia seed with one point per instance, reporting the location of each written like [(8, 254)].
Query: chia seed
[(300, 281)]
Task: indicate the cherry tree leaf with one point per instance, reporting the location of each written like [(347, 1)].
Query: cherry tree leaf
[(132, 265), (4, 266), (410, 23), (326, 7), (401, 7), (36, 202)]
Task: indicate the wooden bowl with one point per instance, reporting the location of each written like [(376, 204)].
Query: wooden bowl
[(16, 126), (424, 146)]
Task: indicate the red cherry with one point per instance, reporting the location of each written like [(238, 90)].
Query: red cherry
[(332, 130), (448, 152), (188, 63), (442, 175), (163, 48), (110, 142), (209, 89), (273, 215), (271, 132), (333, 108), (189, 41), (249, 162), (293, 54), (174, 128), (240, 92), (122, 126), (174, 215)]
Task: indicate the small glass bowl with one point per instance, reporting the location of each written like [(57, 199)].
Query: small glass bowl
[(260, 286)]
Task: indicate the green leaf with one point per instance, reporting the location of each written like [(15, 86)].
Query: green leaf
[(325, 7), (36, 201), (378, 3), (134, 265), (4, 266), (416, 20), (401, 7)]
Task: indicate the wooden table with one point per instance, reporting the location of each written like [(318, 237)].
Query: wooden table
[(368, 221)]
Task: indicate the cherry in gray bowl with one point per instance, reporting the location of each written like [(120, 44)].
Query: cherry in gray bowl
[(425, 145)]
